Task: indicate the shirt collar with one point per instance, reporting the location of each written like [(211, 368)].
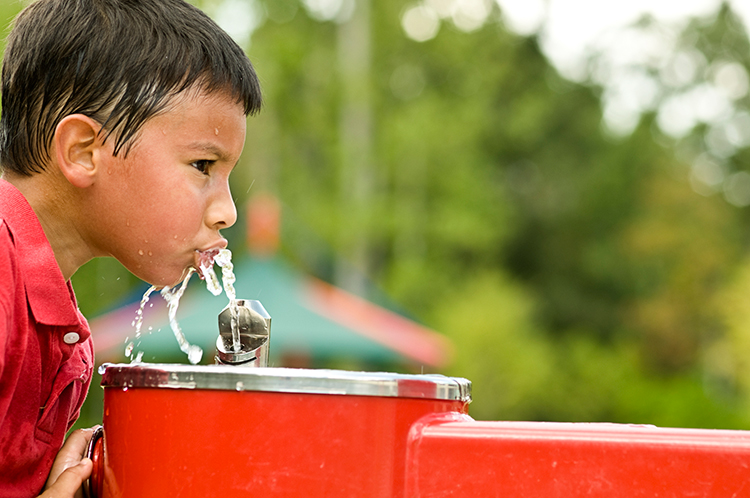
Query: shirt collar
[(50, 297)]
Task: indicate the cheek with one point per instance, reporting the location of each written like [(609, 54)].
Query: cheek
[(165, 206), (174, 223)]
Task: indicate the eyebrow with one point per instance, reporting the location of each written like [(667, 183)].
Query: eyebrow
[(209, 148)]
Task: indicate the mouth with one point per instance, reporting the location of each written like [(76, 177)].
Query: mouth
[(205, 259)]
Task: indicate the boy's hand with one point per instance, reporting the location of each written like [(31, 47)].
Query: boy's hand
[(70, 468)]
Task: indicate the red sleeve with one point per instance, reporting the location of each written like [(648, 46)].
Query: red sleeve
[(7, 299)]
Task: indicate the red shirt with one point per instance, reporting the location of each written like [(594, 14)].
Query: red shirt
[(46, 352)]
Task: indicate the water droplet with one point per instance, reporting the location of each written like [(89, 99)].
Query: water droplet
[(125, 389), (240, 385), (216, 131), (150, 253), (195, 354), (140, 251)]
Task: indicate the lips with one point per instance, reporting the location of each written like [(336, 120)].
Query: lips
[(205, 259)]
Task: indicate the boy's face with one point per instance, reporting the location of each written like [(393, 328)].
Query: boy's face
[(170, 196)]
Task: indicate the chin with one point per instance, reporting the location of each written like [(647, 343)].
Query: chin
[(162, 279), (174, 279)]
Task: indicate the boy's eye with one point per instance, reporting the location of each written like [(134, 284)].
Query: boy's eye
[(202, 165)]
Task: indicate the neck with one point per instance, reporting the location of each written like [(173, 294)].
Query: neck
[(52, 198)]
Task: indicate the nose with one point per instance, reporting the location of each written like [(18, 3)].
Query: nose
[(221, 211)]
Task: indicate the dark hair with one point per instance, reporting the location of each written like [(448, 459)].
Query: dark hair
[(120, 62)]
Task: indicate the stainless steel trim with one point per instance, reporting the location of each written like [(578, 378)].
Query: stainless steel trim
[(98, 434), (253, 323), (291, 380)]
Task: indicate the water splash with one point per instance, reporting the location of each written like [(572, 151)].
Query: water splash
[(138, 323), (172, 296), (223, 258), (209, 275)]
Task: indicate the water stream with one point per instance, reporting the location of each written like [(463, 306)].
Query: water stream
[(223, 258)]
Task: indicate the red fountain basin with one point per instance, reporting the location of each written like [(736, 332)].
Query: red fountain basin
[(202, 431), (219, 431)]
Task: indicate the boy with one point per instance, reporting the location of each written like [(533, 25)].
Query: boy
[(121, 122)]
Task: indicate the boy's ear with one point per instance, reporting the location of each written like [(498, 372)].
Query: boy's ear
[(76, 145)]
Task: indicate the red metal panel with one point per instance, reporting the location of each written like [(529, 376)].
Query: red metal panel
[(454, 456), (202, 443)]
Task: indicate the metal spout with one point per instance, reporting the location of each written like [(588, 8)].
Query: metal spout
[(254, 325)]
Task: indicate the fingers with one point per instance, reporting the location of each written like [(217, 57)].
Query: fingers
[(70, 454), (78, 441), (70, 481)]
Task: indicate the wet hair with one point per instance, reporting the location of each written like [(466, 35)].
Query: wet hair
[(119, 62)]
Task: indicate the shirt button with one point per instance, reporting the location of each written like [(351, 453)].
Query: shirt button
[(71, 338)]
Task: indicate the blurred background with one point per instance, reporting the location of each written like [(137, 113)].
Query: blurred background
[(559, 188)]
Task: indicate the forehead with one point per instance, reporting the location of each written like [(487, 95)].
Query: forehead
[(201, 122), (193, 103)]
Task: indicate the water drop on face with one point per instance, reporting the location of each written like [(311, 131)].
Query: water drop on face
[(216, 131), (150, 253), (140, 251)]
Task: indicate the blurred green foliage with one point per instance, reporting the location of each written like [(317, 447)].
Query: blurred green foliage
[(578, 273)]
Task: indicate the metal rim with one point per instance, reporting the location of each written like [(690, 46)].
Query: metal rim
[(87, 485), (291, 380)]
